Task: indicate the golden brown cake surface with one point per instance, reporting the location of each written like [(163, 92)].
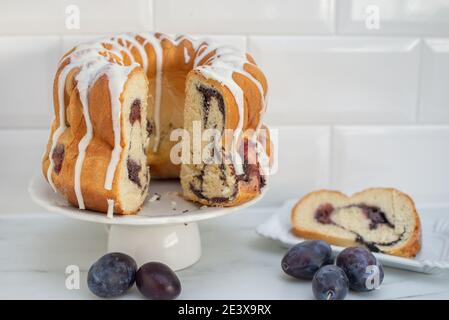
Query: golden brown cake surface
[(92, 157)]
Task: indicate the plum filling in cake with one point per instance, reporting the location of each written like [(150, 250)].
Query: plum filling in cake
[(214, 180), (211, 119), (375, 215), (208, 94), (250, 170), (197, 186), (134, 176), (325, 214), (211, 179), (58, 157), (149, 128), (135, 114), (133, 171)]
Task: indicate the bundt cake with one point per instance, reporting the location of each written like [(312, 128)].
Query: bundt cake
[(384, 220), (123, 106)]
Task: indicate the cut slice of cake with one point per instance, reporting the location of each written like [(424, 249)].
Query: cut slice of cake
[(382, 219), (217, 180), (96, 156)]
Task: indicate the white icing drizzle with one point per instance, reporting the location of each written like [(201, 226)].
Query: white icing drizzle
[(201, 54), (264, 161), (139, 47), (93, 60), (155, 43), (120, 75), (93, 65), (110, 213), (80, 56), (117, 46), (177, 39), (84, 80), (220, 67), (186, 56)]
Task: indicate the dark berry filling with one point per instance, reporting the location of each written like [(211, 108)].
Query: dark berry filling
[(373, 246), (58, 157), (376, 216), (133, 171), (323, 213), (134, 114), (250, 168), (199, 193), (208, 94), (149, 128)]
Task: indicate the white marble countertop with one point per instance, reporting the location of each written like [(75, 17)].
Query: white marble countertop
[(35, 250)]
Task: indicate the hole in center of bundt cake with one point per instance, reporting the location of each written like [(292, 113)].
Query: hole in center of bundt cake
[(134, 114), (208, 94), (133, 171), (58, 157)]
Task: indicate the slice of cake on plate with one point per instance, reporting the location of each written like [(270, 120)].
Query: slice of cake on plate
[(382, 219)]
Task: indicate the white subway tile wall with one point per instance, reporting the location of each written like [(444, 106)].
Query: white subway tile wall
[(243, 17), (359, 90), (302, 161), (339, 79), (434, 102), (27, 66), (413, 159), (59, 16), (395, 17), (68, 42), (21, 154)]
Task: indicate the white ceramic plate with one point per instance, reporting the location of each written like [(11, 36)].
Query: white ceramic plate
[(170, 209), (433, 257)]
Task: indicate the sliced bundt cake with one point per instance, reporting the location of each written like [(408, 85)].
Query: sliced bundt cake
[(117, 102)]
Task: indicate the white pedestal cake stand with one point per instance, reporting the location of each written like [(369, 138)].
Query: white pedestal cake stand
[(165, 230)]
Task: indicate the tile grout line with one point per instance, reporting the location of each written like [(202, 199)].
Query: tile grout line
[(152, 6), (335, 7), (330, 178), (417, 111)]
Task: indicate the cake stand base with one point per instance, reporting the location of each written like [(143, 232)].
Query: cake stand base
[(176, 245), (165, 230)]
